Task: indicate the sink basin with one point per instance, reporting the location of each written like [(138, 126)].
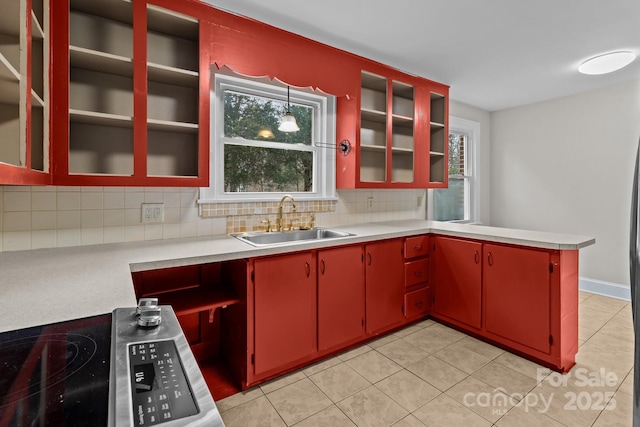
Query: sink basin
[(263, 238)]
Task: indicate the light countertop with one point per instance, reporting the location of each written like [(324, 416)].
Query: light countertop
[(51, 285)]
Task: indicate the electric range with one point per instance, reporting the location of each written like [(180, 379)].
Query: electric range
[(130, 367)]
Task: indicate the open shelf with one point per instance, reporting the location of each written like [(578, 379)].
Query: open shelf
[(23, 89), (193, 300), (100, 119), (116, 10), (171, 75), (95, 60)]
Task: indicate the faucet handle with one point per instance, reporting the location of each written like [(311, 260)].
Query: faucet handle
[(313, 219), (268, 222)]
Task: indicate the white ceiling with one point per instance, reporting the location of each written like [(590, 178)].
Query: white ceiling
[(494, 54)]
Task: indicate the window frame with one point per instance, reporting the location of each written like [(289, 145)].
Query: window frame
[(472, 170), (323, 135)]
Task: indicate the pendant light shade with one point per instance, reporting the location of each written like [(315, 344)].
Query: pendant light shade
[(288, 121)]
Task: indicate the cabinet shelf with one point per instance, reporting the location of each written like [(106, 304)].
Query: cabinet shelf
[(376, 148), (194, 300), (172, 75), (173, 23), (373, 115), (436, 125), (119, 10), (166, 125), (103, 62), (400, 150), (402, 121), (36, 29), (103, 119)]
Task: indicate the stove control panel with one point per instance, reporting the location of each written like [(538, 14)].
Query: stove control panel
[(160, 390), (154, 378)]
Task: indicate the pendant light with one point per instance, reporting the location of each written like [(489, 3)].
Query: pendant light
[(288, 121)]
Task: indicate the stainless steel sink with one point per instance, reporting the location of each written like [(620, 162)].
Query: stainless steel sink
[(263, 238)]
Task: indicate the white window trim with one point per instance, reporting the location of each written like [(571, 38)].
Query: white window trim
[(472, 129), (323, 134)]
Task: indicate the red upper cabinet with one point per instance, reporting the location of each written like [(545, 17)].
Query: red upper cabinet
[(24, 103), (384, 278), (340, 296), (130, 93), (399, 124)]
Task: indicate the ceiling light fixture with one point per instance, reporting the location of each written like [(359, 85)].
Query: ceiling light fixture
[(288, 121), (607, 63)]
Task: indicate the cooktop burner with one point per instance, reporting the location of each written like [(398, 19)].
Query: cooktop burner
[(58, 373)]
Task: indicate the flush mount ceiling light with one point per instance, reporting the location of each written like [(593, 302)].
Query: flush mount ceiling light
[(288, 121), (607, 63)]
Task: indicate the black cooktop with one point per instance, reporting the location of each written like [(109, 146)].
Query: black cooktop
[(56, 374)]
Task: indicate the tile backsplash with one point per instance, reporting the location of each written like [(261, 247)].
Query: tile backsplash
[(45, 217)]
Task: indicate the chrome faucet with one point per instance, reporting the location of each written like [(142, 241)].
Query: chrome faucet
[(293, 204)]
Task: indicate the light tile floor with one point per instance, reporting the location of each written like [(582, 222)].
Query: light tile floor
[(431, 375)]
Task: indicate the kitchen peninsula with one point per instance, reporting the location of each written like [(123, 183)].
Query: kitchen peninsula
[(51, 285)]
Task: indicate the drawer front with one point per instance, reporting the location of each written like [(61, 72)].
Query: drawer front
[(416, 303), (416, 272), (415, 247)]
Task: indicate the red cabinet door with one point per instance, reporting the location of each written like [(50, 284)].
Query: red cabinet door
[(340, 296), (384, 284), (457, 283), (284, 310), (517, 295)]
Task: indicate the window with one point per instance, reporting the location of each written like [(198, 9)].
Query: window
[(459, 201), (252, 160)]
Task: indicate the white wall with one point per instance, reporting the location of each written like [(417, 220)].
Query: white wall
[(566, 165), (464, 111)]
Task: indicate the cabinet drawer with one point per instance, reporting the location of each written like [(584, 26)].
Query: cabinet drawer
[(416, 272), (416, 302), (415, 247)]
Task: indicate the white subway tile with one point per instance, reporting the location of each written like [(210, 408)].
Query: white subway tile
[(17, 221), (68, 220), (69, 237), (152, 231), (92, 236), (16, 201), (43, 239), (16, 240), (114, 234), (133, 200), (68, 201), (43, 201), (92, 219), (170, 231), (92, 200), (133, 233), (114, 200), (43, 220), (113, 217)]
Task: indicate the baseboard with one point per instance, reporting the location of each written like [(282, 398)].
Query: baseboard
[(608, 289)]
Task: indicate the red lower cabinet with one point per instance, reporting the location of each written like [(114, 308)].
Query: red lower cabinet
[(524, 299), (416, 303), (457, 272), (284, 311), (384, 268), (340, 296), (517, 295)]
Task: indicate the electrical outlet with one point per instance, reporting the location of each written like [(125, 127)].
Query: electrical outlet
[(369, 202), (419, 201), (152, 212)]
